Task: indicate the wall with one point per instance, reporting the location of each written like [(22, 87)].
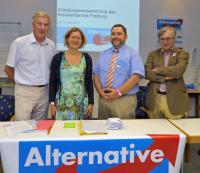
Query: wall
[(22, 11), (186, 9)]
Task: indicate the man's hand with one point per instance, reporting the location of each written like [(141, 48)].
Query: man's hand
[(155, 70), (10, 72), (103, 94), (112, 94), (168, 78)]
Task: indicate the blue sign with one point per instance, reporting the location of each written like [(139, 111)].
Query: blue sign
[(94, 156), (176, 23)]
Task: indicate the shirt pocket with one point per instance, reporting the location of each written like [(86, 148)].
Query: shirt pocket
[(122, 68)]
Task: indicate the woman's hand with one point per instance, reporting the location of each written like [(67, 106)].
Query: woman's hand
[(53, 110), (89, 110)]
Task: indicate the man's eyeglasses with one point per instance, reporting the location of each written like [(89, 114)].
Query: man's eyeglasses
[(165, 39)]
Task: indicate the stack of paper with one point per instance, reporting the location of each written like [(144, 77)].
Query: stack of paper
[(88, 127), (20, 127), (114, 123)]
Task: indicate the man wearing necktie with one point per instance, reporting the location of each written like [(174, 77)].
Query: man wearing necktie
[(117, 73), (166, 93)]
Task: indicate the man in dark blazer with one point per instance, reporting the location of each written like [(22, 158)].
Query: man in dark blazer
[(167, 95)]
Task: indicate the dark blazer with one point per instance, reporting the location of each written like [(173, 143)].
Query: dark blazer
[(55, 82), (177, 96)]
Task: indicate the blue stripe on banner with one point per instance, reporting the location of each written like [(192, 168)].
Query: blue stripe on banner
[(92, 155)]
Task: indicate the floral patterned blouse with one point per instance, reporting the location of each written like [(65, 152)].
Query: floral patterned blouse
[(72, 100)]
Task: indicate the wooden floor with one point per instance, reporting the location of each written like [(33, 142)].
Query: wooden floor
[(194, 165)]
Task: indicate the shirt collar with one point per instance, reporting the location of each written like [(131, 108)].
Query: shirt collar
[(33, 39), (171, 50), (120, 49)]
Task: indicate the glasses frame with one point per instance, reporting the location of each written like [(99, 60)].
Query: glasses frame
[(167, 39)]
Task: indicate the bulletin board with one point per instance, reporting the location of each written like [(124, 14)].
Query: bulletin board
[(8, 32)]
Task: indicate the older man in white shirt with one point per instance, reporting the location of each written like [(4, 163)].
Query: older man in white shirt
[(28, 65)]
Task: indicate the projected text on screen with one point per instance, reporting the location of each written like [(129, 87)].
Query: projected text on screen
[(95, 18)]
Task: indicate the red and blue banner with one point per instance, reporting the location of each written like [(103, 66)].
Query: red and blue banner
[(150, 154)]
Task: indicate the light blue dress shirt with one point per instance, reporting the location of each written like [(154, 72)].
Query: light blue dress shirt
[(31, 60), (128, 63)]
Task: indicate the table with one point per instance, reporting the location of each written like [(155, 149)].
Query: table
[(140, 146), (191, 128), (196, 94)]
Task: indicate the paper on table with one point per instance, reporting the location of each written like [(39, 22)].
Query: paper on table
[(44, 125), (88, 127), (70, 124), (19, 127), (114, 123)]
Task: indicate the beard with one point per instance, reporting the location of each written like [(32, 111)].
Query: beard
[(118, 45)]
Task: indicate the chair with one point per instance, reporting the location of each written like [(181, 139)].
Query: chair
[(140, 110), (7, 107)]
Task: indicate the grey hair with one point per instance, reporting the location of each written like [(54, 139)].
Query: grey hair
[(165, 29), (40, 14)]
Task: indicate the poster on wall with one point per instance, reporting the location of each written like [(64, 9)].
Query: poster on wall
[(177, 23)]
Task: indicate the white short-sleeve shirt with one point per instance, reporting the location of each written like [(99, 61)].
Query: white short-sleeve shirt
[(31, 60)]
